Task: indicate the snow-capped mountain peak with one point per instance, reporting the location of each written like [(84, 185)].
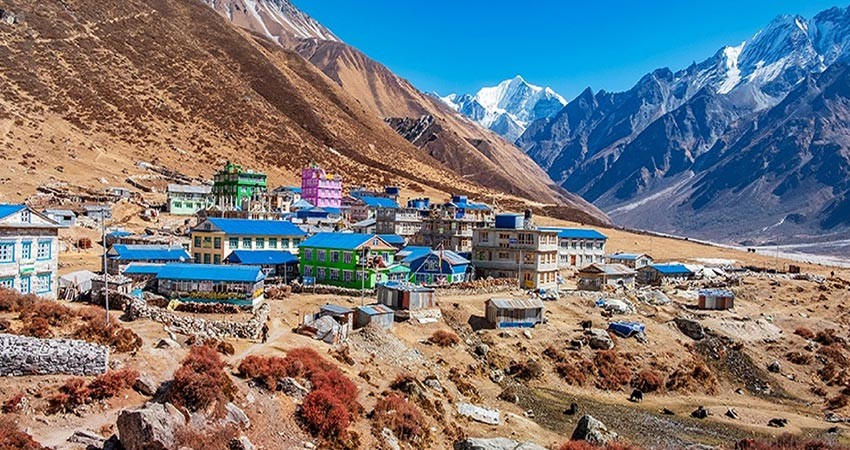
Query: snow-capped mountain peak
[(509, 107), (275, 19)]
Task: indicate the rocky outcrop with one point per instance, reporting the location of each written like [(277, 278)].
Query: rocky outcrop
[(21, 355), (690, 328), (600, 339), (593, 431), (193, 326), (150, 427), (495, 444)]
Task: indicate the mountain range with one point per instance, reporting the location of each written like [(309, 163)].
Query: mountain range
[(747, 146), (509, 107)]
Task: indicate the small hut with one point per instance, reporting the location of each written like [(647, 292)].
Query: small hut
[(406, 297), (380, 315), (514, 313), (716, 299)]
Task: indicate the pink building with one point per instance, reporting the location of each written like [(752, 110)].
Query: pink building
[(321, 189)]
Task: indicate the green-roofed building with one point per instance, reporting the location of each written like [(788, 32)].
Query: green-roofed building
[(234, 188)]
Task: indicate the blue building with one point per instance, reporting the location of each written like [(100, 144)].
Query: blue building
[(120, 255), (431, 267), (204, 283), (656, 273)]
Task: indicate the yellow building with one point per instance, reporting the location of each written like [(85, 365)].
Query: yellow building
[(213, 239)]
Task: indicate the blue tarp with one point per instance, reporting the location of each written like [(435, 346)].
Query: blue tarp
[(626, 329)]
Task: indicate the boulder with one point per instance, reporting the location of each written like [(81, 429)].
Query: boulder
[(690, 328), (234, 414), (87, 439), (145, 385), (292, 388), (150, 427), (480, 414), (699, 413), (241, 443), (497, 375), (482, 349), (495, 444), (433, 383), (774, 367), (390, 439), (600, 339), (593, 431), (167, 343)]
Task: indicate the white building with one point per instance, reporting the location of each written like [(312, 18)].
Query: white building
[(29, 251), (579, 247)]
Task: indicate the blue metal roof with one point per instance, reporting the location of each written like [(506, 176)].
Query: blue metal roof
[(257, 227), (392, 239), (379, 202), (209, 272), (142, 269), (376, 310), (452, 258), (261, 257), (339, 241), (119, 233), (471, 206), (625, 256), (148, 253), (671, 269), (576, 233), (7, 210), (301, 203), (333, 211), (294, 189)]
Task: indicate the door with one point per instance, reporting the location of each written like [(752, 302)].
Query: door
[(572, 260)]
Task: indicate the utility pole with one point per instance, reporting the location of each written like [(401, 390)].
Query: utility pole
[(363, 277), (105, 271)]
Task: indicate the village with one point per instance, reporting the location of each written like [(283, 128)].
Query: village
[(393, 286)]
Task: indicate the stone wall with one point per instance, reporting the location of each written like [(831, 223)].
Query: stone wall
[(330, 290), (21, 355), (194, 326)]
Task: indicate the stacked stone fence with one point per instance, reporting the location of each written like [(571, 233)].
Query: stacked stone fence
[(22, 355), (331, 290), (137, 308)]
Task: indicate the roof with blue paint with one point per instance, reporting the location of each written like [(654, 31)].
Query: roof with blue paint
[(147, 253), (301, 203), (341, 241), (376, 310), (256, 227), (261, 257), (412, 252), (142, 269), (671, 269), (392, 239), (469, 205), (119, 233), (379, 202), (7, 210), (210, 272), (576, 233), (448, 256)]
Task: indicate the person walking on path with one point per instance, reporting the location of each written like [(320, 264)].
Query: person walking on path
[(265, 331)]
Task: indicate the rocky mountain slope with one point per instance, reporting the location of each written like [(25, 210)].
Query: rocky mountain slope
[(509, 107), (476, 154), (624, 151)]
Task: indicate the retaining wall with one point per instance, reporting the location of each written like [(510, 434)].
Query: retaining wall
[(22, 355)]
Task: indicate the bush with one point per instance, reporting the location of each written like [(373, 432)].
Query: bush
[(573, 374), (338, 384), (834, 354), (528, 370), (693, 377), (400, 416), (799, 358), (828, 337), (12, 438), (838, 402), (804, 333), (325, 414), (54, 313), (14, 404), (200, 382), (647, 381), (112, 383), (612, 373), (71, 395), (304, 363), (444, 338), (267, 370), (120, 339), (12, 301), (788, 442), (37, 327)]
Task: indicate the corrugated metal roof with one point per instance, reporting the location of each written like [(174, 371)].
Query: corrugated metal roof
[(209, 272), (392, 239), (468, 205), (341, 241), (189, 189), (261, 257), (142, 269), (379, 202), (717, 293), (250, 227), (447, 255), (376, 310), (412, 253), (148, 252), (8, 210), (404, 286), (576, 233), (610, 269), (507, 303), (336, 309), (301, 203), (671, 269), (365, 223)]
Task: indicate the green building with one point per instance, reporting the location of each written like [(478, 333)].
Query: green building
[(350, 260), (186, 200), (234, 188)]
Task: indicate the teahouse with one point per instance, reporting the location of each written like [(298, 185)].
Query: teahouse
[(514, 313)]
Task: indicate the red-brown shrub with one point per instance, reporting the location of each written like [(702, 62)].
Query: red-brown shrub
[(14, 404), (799, 358), (265, 369), (575, 373), (12, 301), (71, 395), (325, 414), (120, 339), (112, 383), (833, 354), (692, 377), (612, 373), (12, 438), (54, 313), (37, 327), (304, 362), (400, 416), (444, 338), (838, 402), (788, 442), (200, 382), (828, 337), (527, 370), (335, 382), (804, 333), (647, 380)]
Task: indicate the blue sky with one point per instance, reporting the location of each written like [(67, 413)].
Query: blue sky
[(460, 45)]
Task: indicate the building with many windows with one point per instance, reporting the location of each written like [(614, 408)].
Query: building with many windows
[(29, 251), (186, 200), (405, 222), (197, 283), (213, 239), (579, 247), (234, 188), (321, 189), (517, 249), (348, 260), (449, 226)]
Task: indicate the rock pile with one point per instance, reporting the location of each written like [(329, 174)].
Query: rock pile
[(194, 326), (21, 355)]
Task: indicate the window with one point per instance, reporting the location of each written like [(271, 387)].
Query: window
[(25, 285), (8, 283), (42, 283), (347, 257), (207, 242), (308, 254), (272, 242), (308, 271), (246, 242), (347, 275), (197, 241), (261, 243), (485, 236), (296, 241), (284, 243), (233, 243), (25, 216), (217, 242), (335, 256), (432, 264), (321, 255), (43, 251), (216, 259), (320, 273), (26, 250), (334, 274), (206, 258), (7, 251), (385, 257)]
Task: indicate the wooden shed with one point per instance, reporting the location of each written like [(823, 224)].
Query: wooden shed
[(380, 315), (406, 296), (514, 313), (716, 299)]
